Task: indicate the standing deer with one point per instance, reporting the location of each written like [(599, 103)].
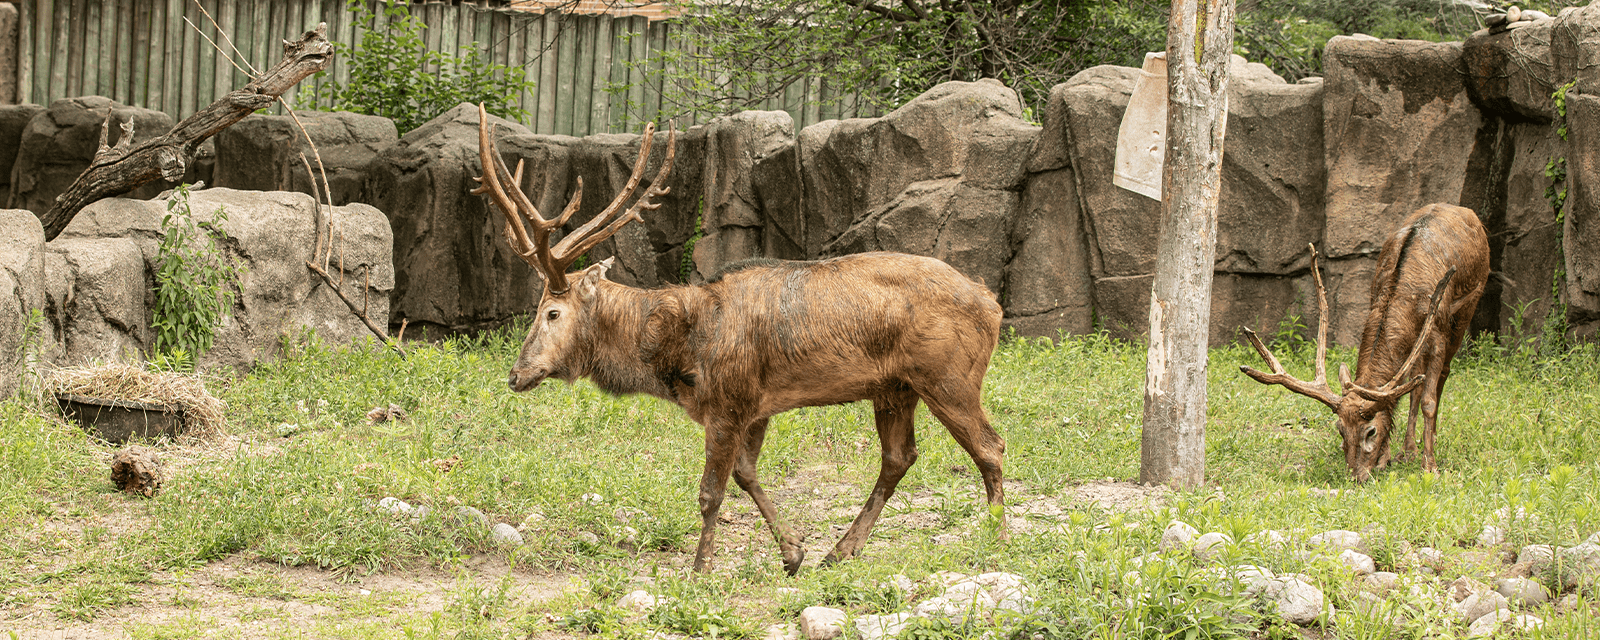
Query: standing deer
[(1437, 259), (758, 340)]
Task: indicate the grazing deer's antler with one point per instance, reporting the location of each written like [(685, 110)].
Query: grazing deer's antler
[(1318, 388), (534, 248)]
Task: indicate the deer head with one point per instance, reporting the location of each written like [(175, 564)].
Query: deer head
[(1365, 413), (568, 298)]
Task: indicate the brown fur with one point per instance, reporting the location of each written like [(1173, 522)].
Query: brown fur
[(1414, 261), (765, 338)]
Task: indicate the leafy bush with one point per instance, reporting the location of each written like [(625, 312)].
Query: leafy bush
[(394, 75), (194, 283)]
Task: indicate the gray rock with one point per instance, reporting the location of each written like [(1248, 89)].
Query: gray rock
[(821, 623), (13, 119), (1581, 231), (732, 218), (1357, 562), (1297, 601), (395, 505), (22, 290), (1491, 536), (506, 534), (1255, 580), (1522, 592), (877, 627), (1336, 541), (1212, 545), (272, 235), (1269, 539), (1380, 582), (1580, 566), (638, 601), (59, 142), (1479, 605), (1178, 536), (262, 152), (472, 516)]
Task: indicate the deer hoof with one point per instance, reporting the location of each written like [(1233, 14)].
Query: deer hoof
[(792, 559)]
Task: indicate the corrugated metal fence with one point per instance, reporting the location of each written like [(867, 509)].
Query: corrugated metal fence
[(146, 53)]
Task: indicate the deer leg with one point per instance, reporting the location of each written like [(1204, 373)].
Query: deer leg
[(1411, 425), (1430, 411), (723, 442), (745, 474), (893, 415), (962, 414)]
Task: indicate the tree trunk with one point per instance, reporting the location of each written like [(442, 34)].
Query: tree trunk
[(118, 170), (1199, 44)]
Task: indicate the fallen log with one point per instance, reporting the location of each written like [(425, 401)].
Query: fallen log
[(119, 169)]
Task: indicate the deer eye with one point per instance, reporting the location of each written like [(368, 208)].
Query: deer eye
[(1372, 432), (554, 313)]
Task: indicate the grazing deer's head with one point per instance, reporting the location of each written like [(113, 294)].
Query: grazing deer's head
[(1365, 413), (568, 299)]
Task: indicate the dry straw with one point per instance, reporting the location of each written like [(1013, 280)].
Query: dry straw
[(125, 382)]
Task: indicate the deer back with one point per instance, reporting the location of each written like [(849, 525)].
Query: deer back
[(1427, 244)]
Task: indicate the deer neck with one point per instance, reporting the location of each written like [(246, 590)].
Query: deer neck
[(637, 341)]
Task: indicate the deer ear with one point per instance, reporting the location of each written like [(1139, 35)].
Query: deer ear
[(587, 283)]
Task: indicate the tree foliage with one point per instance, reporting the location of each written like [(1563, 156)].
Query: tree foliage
[(394, 74), (737, 53)]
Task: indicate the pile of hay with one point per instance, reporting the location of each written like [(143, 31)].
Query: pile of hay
[(116, 381)]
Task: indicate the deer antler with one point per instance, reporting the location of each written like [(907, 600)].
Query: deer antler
[(1394, 388), (534, 248), (1318, 388)]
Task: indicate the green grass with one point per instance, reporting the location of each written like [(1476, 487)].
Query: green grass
[(299, 484)]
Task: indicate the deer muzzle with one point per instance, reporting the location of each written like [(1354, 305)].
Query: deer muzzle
[(524, 379)]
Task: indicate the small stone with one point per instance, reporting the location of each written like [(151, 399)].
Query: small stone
[(471, 515), (138, 471), (638, 601), (1254, 579), (821, 623), (1485, 626), (901, 583), (1594, 538), (1568, 604), (1491, 536), (1463, 587), (1430, 557), (395, 505), (1526, 622), (1580, 565), (1366, 603), (1522, 592), (591, 498), (785, 631), (1536, 557), (531, 522), (1380, 582), (1481, 604), (1359, 563), (1296, 601), (587, 538), (365, 592), (947, 579), (1336, 540), (1211, 545), (506, 534), (878, 627), (1178, 536)]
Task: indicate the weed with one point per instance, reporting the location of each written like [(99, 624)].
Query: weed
[(194, 282)]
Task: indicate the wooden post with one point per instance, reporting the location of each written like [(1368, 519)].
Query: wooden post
[(1199, 45)]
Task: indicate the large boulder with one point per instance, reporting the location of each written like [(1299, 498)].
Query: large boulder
[(1400, 132), (1270, 209), (1526, 237), (453, 266), (733, 220), (1581, 235), (100, 274), (14, 119), (59, 143), (1575, 57), (21, 293), (262, 153), (1511, 73), (939, 176)]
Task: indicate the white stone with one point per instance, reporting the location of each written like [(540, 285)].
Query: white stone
[(946, 578), (1336, 540), (821, 623), (784, 631), (876, 627), (1480, 604), (1491, 536), (592, 498), (503, 533), (1358, 563), (1430, 556), (531, 522), (471, 515), (1178, 536), (901, 583), (1381, 582), (1537, 557), (1254, 579), (946, 539), (1297, 602), (1522, 592), (638, 601), (394, 505), (1526, 622), (1580, 565), (586, 537), (1462, 587), (1211, 545), (1485, 626)]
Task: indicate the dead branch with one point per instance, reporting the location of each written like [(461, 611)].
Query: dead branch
[(122, 168)]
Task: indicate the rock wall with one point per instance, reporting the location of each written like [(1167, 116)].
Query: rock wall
[(262, 153), (58, 142), (98, 275)]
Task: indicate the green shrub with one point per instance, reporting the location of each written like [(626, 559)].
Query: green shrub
[(194, 284), (390, 73)]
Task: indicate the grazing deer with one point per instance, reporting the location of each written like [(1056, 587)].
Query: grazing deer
[(1437, 259), (757, 340)]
